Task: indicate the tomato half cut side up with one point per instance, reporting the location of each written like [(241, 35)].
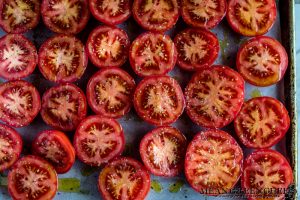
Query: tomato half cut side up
[(55, 147), (162, 151), (110, 92), (108, 46), (124, 178), (64, 106), (214, 96), (203, 13), (159, 100), (156, 15), (18, 57), (213, 162), (267, 174), (98, 140), (251, 17), (197, 49), (32, 178), (62, 58), (65, 16), (262, 61), (152, 54)]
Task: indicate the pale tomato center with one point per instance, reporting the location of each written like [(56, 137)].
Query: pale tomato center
[(52, 151), (112, 6), (20, 10), (63, 107), (66, 12), (157, 9), (13, 58), (107, 46), (16, 102), (6, 149), (204, 9), (195, 49)]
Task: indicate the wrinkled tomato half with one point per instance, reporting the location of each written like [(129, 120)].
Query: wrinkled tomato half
[(55, 147), (32, 178), (156, 15), (266, 175), (214, 96), (18, 57), (152, 54), (162, 151), (262, 122), (108, 46), (10, 147), (251, 17), (64, 106), (124, 178), (262, 61), (203, 13), (62, 58), (98, 140), (213, 162), (159, 100), (19, 16), (110, 92), (20, 103), (65, 16), (197, 49), (110, 12)]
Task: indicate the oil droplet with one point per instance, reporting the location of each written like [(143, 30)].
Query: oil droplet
[(255, 93), (156, 186), (176, 187), (88, 170), (69, 185)]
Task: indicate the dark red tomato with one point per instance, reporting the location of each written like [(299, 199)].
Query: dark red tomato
[(19, 16), (213, 162), (156, 15), (214, 96), (262, 61), (56, 148), (108, 46), (32, 178), (110, 91), (110, 12), (203, 13), (197, 49), (98, 140), (266, 173), (62, 58), (159, 100), (18, 57), (64, 106), (152, 54), (10, 147), (122, 179), (65, 16), (20, 103), (162, 151), (251, 17)]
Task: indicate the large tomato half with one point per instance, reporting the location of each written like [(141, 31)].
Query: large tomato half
[(213, 162), (124, 179)]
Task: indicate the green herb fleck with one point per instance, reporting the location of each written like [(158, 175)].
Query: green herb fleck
[(176, 187), (88, 170), (3, 181), (85, 192), (224, 44), (156, 186), (255, 93), (69, 185)]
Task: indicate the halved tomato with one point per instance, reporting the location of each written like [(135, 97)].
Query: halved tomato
[(213, 162), (19, 16), (62, 58), (152, 54), (65, 16), (10, 147), (203, 13), (262, 61), (124, 178), (98, 140), (156, 15), (20, 102), (214, 96), (18, 57), (266, 175), (162, 151), (251, 17), (110, 91), (32, 178), (262, 122), (197, 49), (56, 148), (108, 46), (64, 106), (159, 100), (110, 12)]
